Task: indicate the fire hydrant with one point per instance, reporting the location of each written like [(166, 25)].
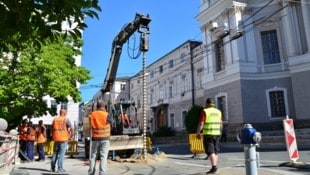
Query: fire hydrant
[(250, 139)]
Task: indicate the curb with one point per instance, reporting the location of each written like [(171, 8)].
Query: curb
[(299, 165)]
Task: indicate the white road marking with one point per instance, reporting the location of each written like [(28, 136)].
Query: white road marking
[(274, 161)]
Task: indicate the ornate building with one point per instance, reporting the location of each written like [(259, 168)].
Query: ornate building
[(257, 59)]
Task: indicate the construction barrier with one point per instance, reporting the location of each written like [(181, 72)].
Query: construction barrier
[(195, 144), (72, 148), (290, 139), (49, 147), (149, 144), (8, 151)]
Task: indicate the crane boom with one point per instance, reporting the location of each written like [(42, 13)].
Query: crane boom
[(124, 135), (140, 21)]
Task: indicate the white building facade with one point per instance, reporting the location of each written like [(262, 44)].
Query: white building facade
[(173, 85), (120, 91), (254, 62), (257, 59)]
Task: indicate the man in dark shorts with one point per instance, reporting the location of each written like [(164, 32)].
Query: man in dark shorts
[(210, 123)]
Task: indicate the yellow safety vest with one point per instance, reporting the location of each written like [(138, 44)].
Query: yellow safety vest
[(213, 121)]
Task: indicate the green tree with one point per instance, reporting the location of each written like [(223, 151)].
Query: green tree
[(27, 76), (192, 118), (32, 22)]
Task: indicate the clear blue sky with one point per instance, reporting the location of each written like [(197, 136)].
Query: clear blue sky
[(173, 23)]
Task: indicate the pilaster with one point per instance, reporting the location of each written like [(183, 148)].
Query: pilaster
[(305, 6)]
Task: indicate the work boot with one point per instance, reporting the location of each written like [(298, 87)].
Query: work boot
[(213, 171)]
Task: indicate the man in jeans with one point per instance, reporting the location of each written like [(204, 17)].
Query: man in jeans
[(62, 132), (100, 121)]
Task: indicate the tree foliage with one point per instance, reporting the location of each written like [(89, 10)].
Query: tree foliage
[(32, 22), (27, 76), (37, 54), (192, 118)]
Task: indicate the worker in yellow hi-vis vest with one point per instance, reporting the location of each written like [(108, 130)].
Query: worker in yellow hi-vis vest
[(210, 123)]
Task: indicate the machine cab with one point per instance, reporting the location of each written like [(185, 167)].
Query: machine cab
[(125, 119)]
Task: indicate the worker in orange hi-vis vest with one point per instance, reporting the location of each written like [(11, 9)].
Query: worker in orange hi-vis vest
[(31, 137), (100, 121), (62, 131), (41, 139), (22, 131)]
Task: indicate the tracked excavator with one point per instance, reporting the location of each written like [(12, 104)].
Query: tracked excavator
[(126, 134)]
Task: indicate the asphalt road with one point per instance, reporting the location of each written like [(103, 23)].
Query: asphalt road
[(273, 158)]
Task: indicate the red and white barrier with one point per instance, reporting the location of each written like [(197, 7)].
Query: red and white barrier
[(290, 139)]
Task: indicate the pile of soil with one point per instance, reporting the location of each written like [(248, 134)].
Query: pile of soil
[(139, 158)]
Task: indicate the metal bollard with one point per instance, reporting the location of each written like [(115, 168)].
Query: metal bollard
[(250, 159), (250, 138)]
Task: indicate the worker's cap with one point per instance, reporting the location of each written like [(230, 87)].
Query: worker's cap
[(210, 101)]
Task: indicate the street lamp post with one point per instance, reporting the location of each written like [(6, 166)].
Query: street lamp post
[(192, 73)]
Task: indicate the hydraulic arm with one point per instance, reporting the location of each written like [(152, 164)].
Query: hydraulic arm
[(140, 23)]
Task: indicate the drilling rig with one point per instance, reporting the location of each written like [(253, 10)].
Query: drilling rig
[(125, 137)]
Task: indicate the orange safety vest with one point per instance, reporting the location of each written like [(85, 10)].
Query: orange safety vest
[(32, 135), (60, 129), (41, 136), (23, 133), (100, 126)]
